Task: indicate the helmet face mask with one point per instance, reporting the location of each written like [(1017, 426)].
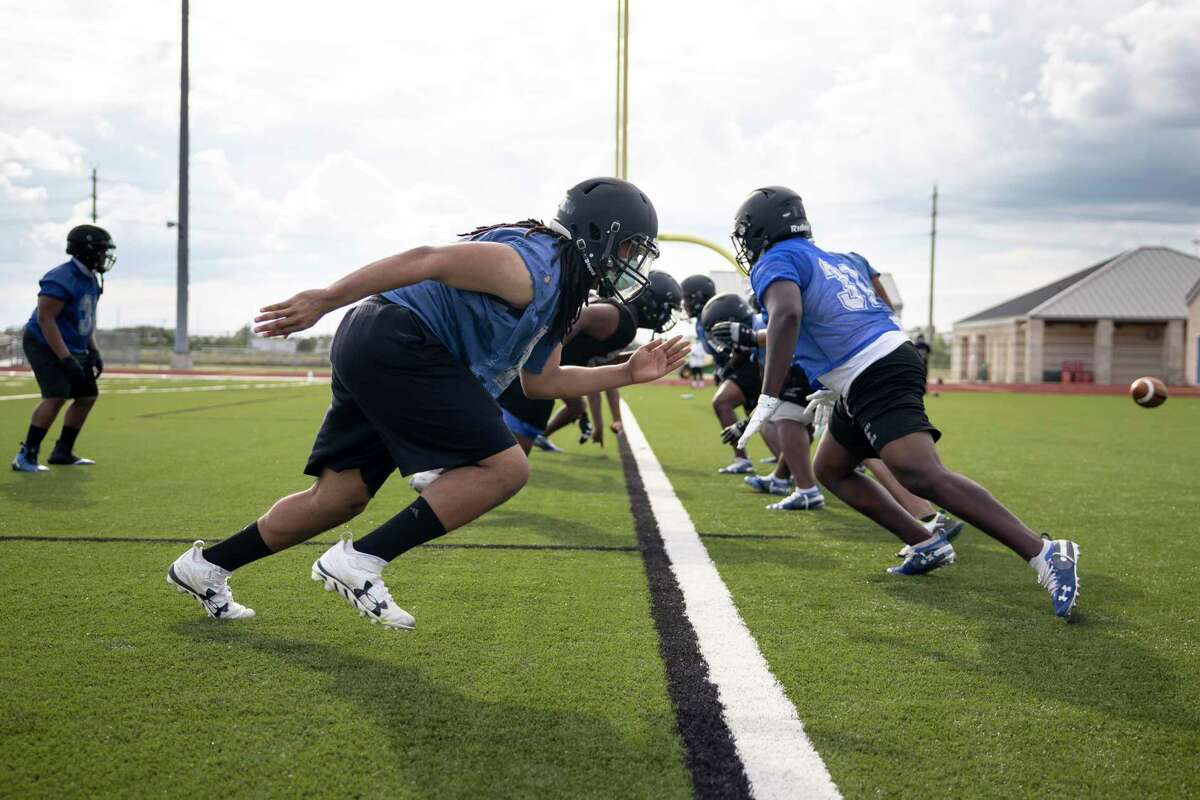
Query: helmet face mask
[(769, 215), (657, 306), (614, 228), (92, 246)]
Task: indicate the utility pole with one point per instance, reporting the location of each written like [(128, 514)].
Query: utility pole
[(932, 256), (93, 195), (181, 358)]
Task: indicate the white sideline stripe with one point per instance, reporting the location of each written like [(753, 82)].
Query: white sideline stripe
[(174, 389), (779, 759)]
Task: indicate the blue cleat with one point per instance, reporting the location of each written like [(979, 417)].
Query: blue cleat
[(27, 462), (542, 443), (925, 557), (800, 500), (769, 484), (739, 466), (942, 524), (1057, 572)]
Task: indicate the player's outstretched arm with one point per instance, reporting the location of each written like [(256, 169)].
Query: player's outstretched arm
[(648, 363), (487, 267), (785, 306)]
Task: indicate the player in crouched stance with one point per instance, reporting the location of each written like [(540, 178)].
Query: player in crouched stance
[(849, 342), (417, 366)]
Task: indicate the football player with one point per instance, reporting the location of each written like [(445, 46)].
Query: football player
[(850, 342), (417, 365), (60, 346), (602, 331), (793, 475), (737, 375)]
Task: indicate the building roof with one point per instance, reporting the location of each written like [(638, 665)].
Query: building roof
[(1149, 283), (1193, 294)]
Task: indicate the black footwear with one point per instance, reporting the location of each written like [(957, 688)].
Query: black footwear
[(68, 460)]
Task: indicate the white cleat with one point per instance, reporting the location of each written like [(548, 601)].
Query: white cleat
[(193, 574), (356, 577), (420, 481)]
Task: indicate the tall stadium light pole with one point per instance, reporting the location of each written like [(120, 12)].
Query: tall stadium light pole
[(93, 195), (181, 357), (932, 256)]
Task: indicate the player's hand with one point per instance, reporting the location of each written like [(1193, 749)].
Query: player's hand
[(97, 364), (75, 374), (734, 432), (295, 314), (733, 334), (762, 412), (820, 406), (618, 427), (656, 358)]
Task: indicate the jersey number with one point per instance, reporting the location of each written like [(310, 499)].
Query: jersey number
[(87, 315), (856, 294)]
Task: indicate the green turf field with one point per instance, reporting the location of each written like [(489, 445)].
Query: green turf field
[(536, 673)]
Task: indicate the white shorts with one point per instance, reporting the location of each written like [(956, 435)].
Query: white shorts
[(792, 412)]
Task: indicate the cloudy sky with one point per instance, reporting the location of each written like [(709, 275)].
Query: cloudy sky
[(324, 136)]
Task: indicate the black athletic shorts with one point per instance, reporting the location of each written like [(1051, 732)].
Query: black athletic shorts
[(797, 388), (402, 401), (886, 401), (534, 412), (748, 378), (51, 377)]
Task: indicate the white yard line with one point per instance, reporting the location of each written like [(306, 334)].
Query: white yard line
[(779, 759)]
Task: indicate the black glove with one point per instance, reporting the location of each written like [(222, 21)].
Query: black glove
[(75, 374), (734, 432), (96, 363), (733, 334)]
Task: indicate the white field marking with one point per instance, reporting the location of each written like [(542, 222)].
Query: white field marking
[(780, 760), (225, 387)]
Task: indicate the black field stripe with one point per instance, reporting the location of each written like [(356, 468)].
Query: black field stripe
[(602, 548), (709, 751)]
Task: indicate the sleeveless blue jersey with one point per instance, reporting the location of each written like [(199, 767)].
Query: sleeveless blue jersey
[(841, 315), (79, 290), (484, 332)]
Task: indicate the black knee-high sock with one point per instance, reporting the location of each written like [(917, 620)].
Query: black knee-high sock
[(415, 525), (33, 439), (239, 550), (66, 440)]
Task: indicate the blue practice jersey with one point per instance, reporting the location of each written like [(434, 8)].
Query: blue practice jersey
[(759, 323), (79, 289), (484, 332), (702, 337), (841, 315)]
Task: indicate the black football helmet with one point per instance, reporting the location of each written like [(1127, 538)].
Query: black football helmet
[(697, 290), (657, 305), (93, 247), (769, 215), (752, 301), (614, 227), (727, 307)]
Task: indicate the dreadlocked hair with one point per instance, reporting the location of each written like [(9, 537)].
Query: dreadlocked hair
[(574, 279)]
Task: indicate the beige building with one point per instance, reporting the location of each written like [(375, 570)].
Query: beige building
[(1193, 335), (1118, 320)]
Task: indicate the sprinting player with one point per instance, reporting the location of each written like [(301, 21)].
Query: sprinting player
[(654, 308), (850, 343), (738, 377), (793, 474), (417, 366), (60, 347), (602, 331)]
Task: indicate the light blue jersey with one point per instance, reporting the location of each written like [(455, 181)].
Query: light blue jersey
[(841, 316), (759, 323), (482, 331), (79, 290), (702, 337)]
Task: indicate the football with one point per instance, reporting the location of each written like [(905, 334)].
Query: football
[(1148, 392)]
